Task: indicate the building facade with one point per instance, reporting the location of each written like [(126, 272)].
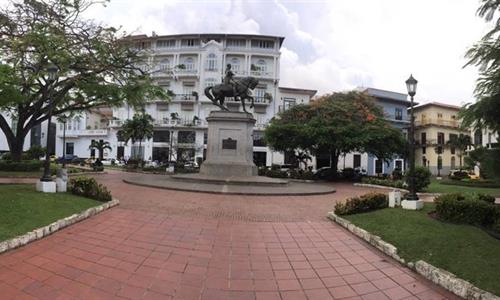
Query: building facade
[(186, 65), (395, 106), (435, 124)]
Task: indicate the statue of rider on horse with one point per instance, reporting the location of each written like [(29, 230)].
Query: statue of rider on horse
[(239, 89)]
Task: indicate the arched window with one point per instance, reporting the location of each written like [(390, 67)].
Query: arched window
[(211, 62), (478, 137), (189, 63), (261, 65), (452, 164), (235, 64), (164, 65)]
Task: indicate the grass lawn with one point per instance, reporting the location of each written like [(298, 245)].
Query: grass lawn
[(464, 250), (437, 187), (22, 209)]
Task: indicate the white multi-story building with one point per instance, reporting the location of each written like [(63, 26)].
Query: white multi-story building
[(186, 64)]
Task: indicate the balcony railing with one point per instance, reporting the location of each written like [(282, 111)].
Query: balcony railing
[(177, 122), (431, 142), (266, 74), (184, 97), (84, 132), (261, 101), (441, 122), (186, 72)]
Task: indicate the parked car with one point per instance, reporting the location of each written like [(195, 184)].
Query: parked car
[(70, 159), (325, 173)]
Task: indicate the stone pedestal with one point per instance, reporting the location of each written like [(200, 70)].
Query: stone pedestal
[(412, 204), (61, 185), (229, 145), (46, 186)]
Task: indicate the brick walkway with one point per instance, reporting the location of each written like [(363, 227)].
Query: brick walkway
[(161, 244)]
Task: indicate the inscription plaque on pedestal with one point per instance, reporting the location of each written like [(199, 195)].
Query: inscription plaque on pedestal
[(229, 144)]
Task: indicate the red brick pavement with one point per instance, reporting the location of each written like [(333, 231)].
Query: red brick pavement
[(131, 252)]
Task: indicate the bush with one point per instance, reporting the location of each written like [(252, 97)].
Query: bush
[(484, 197), (35, 152), (21, 166), (422, 178), (400, 184), (468, 209), (97, 166), (88, 187), (397, 174), (459, 175), (485, 183), (364, 203), (301, 174)]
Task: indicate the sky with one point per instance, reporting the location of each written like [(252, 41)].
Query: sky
[(333, 45)]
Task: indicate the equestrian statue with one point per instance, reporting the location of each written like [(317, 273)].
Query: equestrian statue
[(239, 89)]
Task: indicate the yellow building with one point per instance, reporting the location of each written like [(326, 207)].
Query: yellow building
[(434, 124)]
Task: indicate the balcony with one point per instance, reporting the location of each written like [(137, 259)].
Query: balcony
[(261, 101), (184, 98), (262, 74), (116, 123), (430, 142), (186, 72), (166, 122), (438, 122), (85, 132)]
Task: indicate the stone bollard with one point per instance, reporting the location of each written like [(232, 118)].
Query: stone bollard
[(62, 180), (394, 198)]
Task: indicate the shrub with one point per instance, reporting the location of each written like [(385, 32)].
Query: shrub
[(21, 166), (88, 187), (97, 166), (422, 178), (400, 184), (364, 203), (349, 174), (460, 208), (459, 175), (397, 174), (485, 197), (301, 174), (35, 152), (485, 183)]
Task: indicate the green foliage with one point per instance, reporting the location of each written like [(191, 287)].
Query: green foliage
[(35, 152), (397, 174), (100, 146), (422, 178), (336, 123), (459, 175), (23, 165), (466, 208), (400, 184), (484, 197), (97, 65), (138, 129), (88, 187), (481, 183), (361, 204), (488, 159)]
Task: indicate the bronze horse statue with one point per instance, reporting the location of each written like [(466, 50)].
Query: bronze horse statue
[(238, 89)]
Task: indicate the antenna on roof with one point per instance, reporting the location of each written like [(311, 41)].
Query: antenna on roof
[(154, 33)]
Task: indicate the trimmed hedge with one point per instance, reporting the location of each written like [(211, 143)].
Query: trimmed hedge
[(21, 166), (469, 209), (422, 178), (400, 184), (88, 187), (364, 203), (484, 183)]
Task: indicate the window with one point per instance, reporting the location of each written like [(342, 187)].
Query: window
[(424, 150), (236, 43), (165, 43), (70, 148), (398, 113), (261, 65), (189, 64), (423, 138), (356, 161), (190, 43), (160, 154), (258, 139), (211, 62), (188, 88), (262, 44), (186, 137), (398, 164), (210, 82), (379, 166), (452, 137), (260, 158), (137, 152), (288, 103), (235, 64), (161, 136), (440, 137), (290, 158), (440, 115), (120, 152), (205, 138), (185, 154), (478, 137), (119, 136)]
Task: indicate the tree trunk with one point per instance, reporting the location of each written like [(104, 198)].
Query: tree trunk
[(334, 160), (16, 147), (101, 154)]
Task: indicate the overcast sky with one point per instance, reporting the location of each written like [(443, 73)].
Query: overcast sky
[(334, 45)]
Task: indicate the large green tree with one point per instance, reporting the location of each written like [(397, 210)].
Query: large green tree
[(337, 123), (96, 65), (485, 112), (137, 129)]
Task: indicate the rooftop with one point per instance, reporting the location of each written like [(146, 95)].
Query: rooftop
[(297, 90), (438, 104), (206, 35)]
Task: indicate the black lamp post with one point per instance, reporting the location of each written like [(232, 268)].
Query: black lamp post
[(64, 119), (411, 85), (51, 77)]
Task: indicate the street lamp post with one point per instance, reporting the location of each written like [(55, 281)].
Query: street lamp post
[(412, 201), (64, 119), (52, 74)]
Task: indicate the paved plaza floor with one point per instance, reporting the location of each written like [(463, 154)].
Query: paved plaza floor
[(161, 244)]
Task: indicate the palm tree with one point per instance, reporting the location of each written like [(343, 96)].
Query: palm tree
[(100, 146), (138, 129), (460, 143)]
